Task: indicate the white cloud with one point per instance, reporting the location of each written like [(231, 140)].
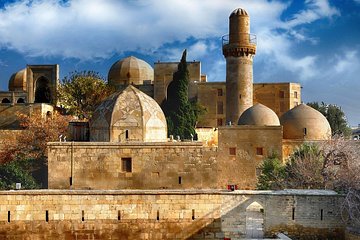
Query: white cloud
[(347, 63), (89, 30)]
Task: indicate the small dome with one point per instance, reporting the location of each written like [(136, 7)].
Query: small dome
[(17, 81), (304, 122), (239, 12), (259, 115), (129, 115), (130, 70)]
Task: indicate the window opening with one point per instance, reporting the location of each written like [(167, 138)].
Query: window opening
[(126, 164)]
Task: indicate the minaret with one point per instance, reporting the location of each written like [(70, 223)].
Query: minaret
[(239, 48)]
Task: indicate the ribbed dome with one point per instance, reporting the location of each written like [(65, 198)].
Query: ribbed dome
[(259, 115), (238, 12), (130, 115), (304, 122), (130, 70), (17, 81)]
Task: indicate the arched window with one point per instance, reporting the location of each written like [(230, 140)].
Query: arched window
[(42, 92), (20, 100), (5, 100)]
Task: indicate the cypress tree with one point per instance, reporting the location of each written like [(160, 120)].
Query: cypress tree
[(179, 112)]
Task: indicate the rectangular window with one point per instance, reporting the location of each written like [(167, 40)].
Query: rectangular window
[(295, 95), (126, 165), (232, 151), (305, 131), (259, 151), (219, 92), (219, 122), (282, 94), (220, 107)]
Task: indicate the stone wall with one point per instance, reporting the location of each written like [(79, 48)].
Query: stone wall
[(241, 151), (132, 214), (150, 165), (280, 97)]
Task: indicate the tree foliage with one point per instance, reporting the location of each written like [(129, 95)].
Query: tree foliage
[(332, 164), (272, 173), (81, 92), (17, 172), (19, 160), (181, 115), (335, 116)]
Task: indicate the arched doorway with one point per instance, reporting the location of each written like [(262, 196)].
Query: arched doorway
[(5, 100), (42, 92), (20, 100), (255, 221)]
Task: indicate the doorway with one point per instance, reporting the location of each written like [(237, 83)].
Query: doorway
[(255, 221)]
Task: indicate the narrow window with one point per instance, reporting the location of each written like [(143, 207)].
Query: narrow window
[(119, 215), (220, 107), (157, 215), (219, 92), (219, 122), (232, 151), (82, 215), (239, 96), (193, 214), (70, 181), (126, 134), (321, 214), (295, 95), (9, 216), (47, 216), (305, 131), (259, 151), (180, 180), (282, 94), (126, 164), (293, 214)]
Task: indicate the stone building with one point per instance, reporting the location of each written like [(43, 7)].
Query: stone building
[(128, 145), (30, 89)]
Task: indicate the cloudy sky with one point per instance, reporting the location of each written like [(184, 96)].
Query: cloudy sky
[(313, 42)]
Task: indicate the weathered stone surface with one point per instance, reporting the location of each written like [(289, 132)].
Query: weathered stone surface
[(165, 214)]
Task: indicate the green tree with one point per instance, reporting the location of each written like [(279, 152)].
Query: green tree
[(272, 174), (17, 172), (335, 116), (81, 92), (181, 115)]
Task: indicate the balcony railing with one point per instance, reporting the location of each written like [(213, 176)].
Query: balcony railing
[(251, 37)]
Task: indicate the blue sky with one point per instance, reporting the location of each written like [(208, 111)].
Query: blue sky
[(313, 42)]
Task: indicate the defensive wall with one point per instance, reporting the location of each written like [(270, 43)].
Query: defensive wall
[(168, 214)]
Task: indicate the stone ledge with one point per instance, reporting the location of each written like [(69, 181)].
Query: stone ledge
[(292, 192)]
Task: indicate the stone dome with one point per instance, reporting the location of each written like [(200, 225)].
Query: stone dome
[(304, 122), (17, 81), (259, 115), (238, 12), (130, 70), (129, 115)]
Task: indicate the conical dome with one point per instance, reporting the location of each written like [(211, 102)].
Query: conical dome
[(259, 115), (130, 70), (304, 122), (130, 115)]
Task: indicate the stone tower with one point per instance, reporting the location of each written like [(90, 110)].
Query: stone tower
[(239, 48)]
